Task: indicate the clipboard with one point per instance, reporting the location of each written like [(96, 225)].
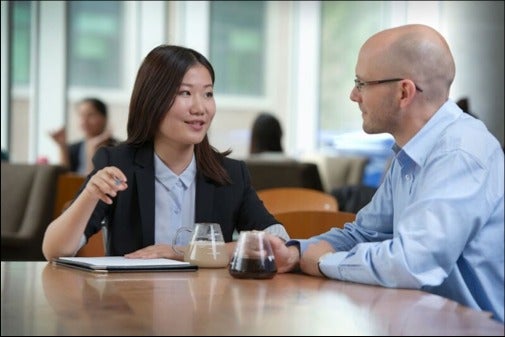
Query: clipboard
[(107, 264)]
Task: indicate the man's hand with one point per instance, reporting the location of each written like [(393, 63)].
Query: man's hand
[(286, 258), (310, 258)]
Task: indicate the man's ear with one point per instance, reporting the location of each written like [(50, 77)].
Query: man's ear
[(408, 92)]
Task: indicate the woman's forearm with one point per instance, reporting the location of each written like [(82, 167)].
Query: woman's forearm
[(63, 235)]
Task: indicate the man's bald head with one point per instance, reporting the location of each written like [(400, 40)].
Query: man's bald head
[(417, 52)]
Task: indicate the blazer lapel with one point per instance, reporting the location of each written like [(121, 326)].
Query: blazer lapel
[(144, 174), (204, 203)]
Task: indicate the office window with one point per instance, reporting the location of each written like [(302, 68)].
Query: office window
[(20, 52), (94, 43), (345, 26), (237, 43)]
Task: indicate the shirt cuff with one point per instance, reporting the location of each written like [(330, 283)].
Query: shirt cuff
[(329, 265), (321, 258), (277, 230)]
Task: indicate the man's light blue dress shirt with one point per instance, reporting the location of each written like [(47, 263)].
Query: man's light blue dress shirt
[(437, 221)]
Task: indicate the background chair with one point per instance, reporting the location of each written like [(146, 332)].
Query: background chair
[(28, 199), (353, 198), (66, 190), (284, 199), (338, 171), (283, 173), (68, 186), (305, 224)]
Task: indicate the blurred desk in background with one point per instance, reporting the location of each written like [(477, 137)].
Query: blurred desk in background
[(39, 298)]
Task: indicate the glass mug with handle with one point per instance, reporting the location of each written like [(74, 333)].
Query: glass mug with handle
[(207, 248)]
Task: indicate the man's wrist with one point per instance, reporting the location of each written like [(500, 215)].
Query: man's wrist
[(294, 259)]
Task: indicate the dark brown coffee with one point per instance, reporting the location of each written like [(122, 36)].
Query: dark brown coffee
[(253, 268)]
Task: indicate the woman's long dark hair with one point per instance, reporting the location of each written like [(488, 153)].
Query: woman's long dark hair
[(158, 80)]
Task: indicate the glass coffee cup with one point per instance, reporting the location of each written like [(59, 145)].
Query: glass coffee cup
[(207, 248), (253, 257)]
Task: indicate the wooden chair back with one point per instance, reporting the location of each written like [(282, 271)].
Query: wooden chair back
[(305, 224), (67, 188), (285, 199)]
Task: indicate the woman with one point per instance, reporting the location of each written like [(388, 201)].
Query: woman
[(93, 122), (266, 134), (166, 175), (266, 139)]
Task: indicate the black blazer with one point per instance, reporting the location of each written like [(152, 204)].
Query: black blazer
[(73, 154), (130, 218)]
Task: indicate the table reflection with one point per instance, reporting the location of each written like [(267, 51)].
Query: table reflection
[(137, 300), (43, 299), (404, 311)]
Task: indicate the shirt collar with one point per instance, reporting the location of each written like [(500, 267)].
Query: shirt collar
[(168, 178), (421, 145)]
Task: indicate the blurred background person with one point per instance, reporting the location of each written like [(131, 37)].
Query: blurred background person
[(93, 122), (266, 138)]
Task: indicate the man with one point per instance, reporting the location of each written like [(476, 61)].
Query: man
[(436, 223)]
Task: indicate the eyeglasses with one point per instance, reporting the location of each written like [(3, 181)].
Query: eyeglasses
[(360, 84)]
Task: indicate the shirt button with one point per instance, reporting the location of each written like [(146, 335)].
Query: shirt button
[(407, 176), (177, 211)]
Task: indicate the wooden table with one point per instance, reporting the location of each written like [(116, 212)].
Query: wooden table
[(39, 298)]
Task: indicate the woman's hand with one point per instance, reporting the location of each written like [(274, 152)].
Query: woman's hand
[(105, 184)]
